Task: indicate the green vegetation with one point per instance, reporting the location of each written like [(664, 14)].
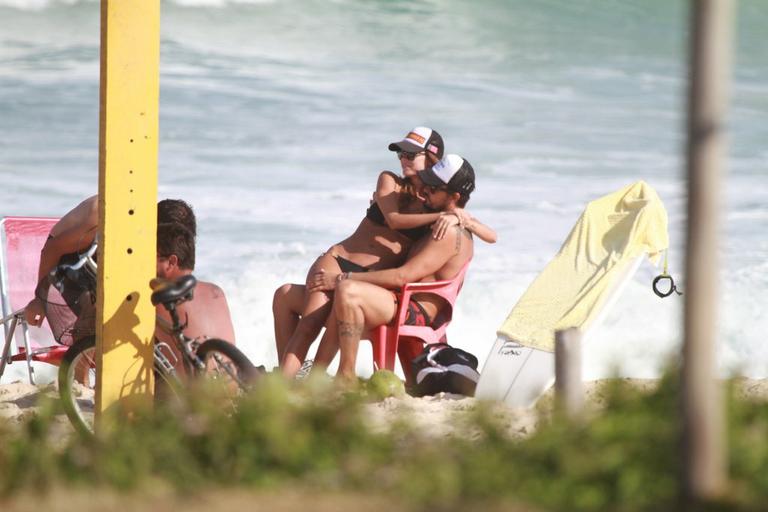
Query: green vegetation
[(624, 458)]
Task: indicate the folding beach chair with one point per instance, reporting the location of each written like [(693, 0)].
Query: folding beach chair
[(576, 289), (386, 339), (21, 239)]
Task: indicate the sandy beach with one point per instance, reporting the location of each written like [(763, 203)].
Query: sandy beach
[(438, 415)]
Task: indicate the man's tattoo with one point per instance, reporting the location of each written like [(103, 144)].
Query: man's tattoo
[(461, 232), (458, 239), (349, 329)]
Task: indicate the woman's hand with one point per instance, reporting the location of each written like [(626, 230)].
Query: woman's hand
[(322, 281), (463, 216), (443, 224)]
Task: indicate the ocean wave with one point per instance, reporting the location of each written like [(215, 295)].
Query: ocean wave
[(38, 5), (219, 3)]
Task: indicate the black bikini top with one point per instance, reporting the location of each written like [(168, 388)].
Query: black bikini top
[(375, 215)]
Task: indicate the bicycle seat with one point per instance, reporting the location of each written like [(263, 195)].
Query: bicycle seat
[(167, 292)]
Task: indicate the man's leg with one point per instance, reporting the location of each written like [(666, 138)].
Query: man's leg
[(358, 307), (286, 308)]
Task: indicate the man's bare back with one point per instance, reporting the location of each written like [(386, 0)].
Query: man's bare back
[(207, 314), (462, 250)]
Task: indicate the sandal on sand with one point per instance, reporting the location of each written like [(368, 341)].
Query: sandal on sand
[(303, 372)]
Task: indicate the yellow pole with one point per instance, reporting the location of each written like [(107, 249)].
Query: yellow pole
[(128, 133)]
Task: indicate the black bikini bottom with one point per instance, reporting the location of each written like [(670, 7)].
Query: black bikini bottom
[(347, 266)]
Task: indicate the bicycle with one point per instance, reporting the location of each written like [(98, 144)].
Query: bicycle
[(212, 359)]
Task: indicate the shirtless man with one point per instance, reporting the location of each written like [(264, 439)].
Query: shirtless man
[(364, 300), (72, 234), (207, 314), (76, 230)]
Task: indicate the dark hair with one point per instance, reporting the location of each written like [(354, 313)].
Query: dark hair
[(462, 201), (175, 238), (176, 210), (463, 183), (408, 191)]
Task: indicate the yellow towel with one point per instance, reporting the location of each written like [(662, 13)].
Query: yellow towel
[(572, 289)]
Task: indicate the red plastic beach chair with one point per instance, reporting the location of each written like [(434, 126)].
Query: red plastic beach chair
[(386, 339), (21, 239)]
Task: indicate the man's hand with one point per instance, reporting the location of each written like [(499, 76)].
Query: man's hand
[(34, 312), (323, 281)]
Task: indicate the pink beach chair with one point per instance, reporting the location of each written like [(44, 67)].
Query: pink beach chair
[(21, 239), (386, 339)]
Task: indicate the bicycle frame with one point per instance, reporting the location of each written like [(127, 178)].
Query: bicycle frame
[(165, 359), (186, 346)]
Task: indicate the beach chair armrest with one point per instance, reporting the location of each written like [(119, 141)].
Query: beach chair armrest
[(434, 285)]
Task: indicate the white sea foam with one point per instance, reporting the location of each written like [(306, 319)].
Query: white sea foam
[(36, 5)]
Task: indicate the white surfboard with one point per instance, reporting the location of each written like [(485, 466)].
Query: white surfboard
[(518, 375), (515, 374)]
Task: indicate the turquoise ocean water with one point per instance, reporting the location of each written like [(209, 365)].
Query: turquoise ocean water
[(275, 117)]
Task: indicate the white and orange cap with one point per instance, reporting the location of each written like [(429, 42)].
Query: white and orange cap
[(420, 139)]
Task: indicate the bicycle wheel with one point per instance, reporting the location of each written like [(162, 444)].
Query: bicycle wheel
[(77, 383), (226, 364)]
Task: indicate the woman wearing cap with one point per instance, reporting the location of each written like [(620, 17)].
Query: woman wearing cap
[(394, 220)]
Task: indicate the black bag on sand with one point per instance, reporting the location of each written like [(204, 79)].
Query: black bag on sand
[(443, 368)]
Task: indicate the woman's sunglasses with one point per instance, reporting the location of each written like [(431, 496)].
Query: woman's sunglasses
[(408, 155)]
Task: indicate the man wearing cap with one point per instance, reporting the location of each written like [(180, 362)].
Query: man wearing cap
[(364, 300)]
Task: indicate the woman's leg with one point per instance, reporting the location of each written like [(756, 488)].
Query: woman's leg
[(317, 307), (329, 344), (287, 304)]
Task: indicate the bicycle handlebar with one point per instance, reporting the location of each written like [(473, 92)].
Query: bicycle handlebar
[(86, 259), (83, 272)]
